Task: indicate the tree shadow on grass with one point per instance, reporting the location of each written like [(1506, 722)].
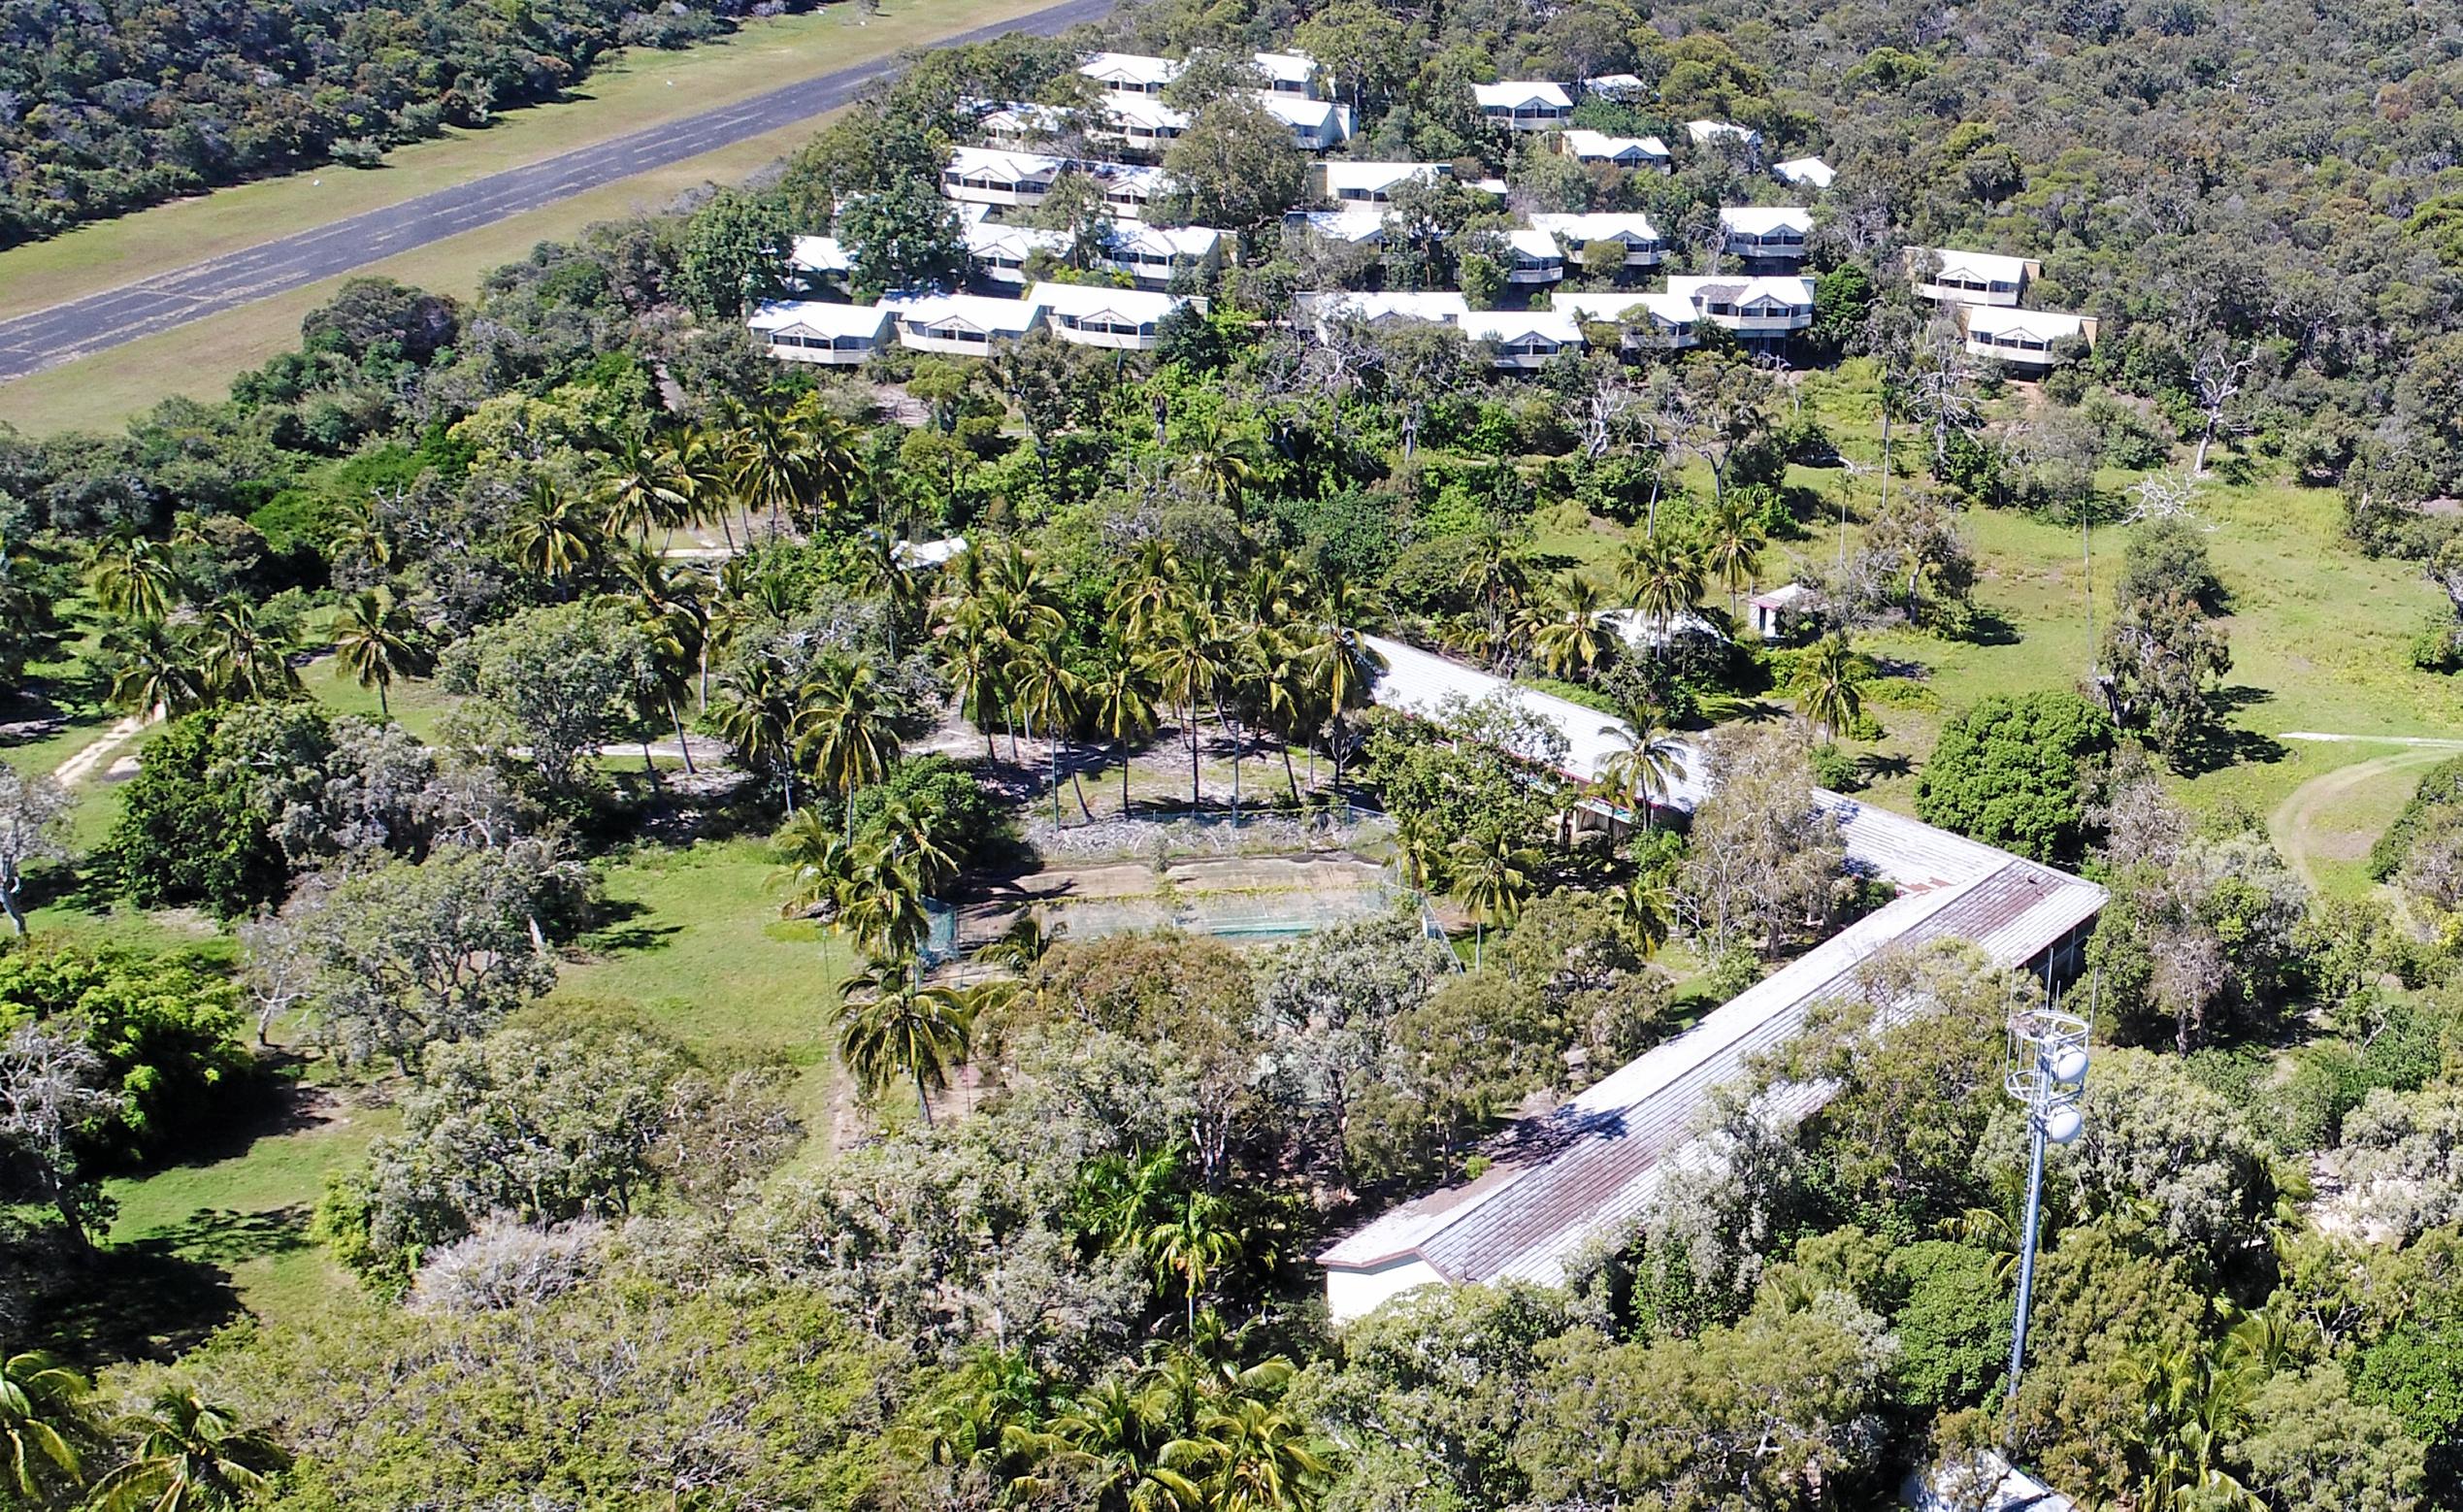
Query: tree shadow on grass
[(2217, 746), (621, 924), (138, 1301), (1874, 766), (1989, 626)]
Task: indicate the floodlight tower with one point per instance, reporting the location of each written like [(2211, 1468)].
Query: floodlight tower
[(2048, 1076)]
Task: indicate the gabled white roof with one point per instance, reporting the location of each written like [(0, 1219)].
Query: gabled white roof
[(1297, 68), (1985, 267), (1636, 309), (1516, 92), (1706, 131), (1139, 110), (1370, 178), (1743, 291), (1810, 172), (1135, 68), (1080, 301), (819, 255), (2050, 325), (1293, 110), (1613, 85), (1127, 178), (1443, 307), (1598, 143), (1019, 118), (818, 319), (1763, 219), (983, 162), (1534, 244), (1168, 241), (1351, 223), (1510, 325), (928, 553), (1598, 226), (986, 240), (983, 311)]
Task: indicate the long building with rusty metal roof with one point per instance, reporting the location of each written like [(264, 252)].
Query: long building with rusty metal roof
[(1585, 1171)]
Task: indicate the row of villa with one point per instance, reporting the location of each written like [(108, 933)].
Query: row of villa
[(1765, 301)]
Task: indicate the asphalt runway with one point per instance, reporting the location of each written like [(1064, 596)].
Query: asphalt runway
[(46, 338)]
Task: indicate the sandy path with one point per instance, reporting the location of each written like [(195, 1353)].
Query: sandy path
[(98, 752), (2297, 823)]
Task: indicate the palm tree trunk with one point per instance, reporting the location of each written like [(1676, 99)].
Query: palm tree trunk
[(1120, 748), (1189, 716), (675, 717), (1077, 785), (923, 1103), (1290, 777), (384, 710)]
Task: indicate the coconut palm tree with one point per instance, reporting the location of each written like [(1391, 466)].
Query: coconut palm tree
[(844, 727), (1644, 908), (1571, 638), (1154, 586), (1185, 662), (993, 1419), (891, 1028), (246, 656), (666, 606), (773, 465), (1644, 761), (155, 668), (133, 576), (1732, 548), (756, 711), (1050, 698), (359, 535), (1496, 575), (190, 1456), (1222, 464), (1192, 1242), (1121, 704), (881, 906), (1663, 578), (1256, 1456), (558, 537), (915, 828), (642, 492), (704, 473), (374, 641), (975, 662), (816, 864), (45, 1416), (832, 465), (1114, 1441), (1828, 684), (1491, 880), (1342, 666)]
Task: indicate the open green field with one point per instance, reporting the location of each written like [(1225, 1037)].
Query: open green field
[(642, 89), (695, 947)]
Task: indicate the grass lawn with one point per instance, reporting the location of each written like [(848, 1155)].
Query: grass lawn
[(228, 1231), (198, 359), (2321, 634), (697, 949)]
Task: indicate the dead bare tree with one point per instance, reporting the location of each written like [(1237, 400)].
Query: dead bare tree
[(2218, 376)]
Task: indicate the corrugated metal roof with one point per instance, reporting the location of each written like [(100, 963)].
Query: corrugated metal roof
[(1588, 1167)]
